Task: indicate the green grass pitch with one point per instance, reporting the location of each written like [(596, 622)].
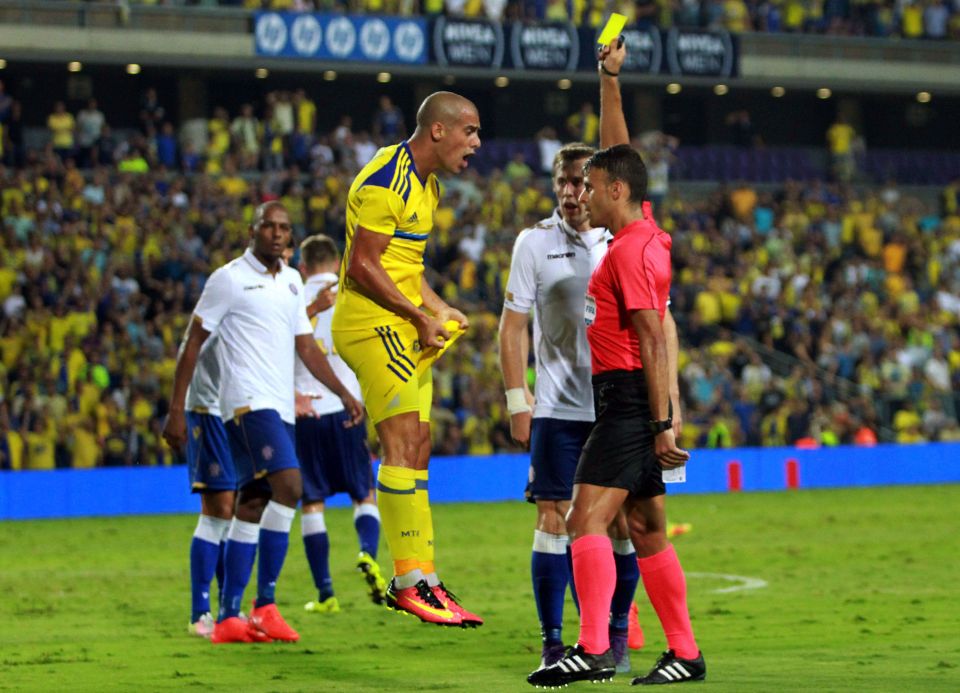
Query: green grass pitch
[(861, 595)]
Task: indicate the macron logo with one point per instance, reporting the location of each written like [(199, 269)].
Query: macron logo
[(255, 286)]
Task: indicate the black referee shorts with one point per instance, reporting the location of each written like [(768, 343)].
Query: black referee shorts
[(619, 452)]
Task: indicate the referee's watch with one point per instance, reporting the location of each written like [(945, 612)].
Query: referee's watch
[(660, 426)]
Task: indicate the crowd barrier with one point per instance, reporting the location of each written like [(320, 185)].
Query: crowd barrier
[(148, 490)]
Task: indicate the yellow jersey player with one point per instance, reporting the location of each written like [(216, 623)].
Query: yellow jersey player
[(389, 326)]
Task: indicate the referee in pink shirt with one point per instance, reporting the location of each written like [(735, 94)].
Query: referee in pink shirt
[(632, 344)]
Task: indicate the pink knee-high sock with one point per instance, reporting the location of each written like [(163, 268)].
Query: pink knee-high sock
[(667, 588), (595, 574)]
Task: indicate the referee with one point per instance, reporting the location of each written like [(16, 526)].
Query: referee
[(632, 441)]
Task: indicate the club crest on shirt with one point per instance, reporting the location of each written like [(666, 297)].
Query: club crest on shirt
[(293, 289), (267, 452), (416, 346)]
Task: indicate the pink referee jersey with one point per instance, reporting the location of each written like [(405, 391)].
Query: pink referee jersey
[(633, 275)]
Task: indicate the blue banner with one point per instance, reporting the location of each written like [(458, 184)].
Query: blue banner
[(137, 491), (341, 37)]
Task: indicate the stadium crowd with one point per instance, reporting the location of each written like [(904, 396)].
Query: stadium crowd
[(911, 19), (813, 314)]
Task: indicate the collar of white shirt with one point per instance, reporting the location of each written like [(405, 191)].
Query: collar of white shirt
[(257, 265)]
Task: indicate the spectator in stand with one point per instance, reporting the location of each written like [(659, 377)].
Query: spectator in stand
[(840, 137), (388, 124), (12, 137), (90, 122), (936, 18), (548, 145), (219, 143), (62, 128), (245, 132), (306, 125), (152, 112), (6, 105), (166, 146), (584, 125)]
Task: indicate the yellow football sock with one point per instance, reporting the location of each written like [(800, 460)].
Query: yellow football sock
[(399, 516), (424, 522)]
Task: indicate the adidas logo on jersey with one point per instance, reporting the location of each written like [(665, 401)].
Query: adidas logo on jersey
[(413, 218)]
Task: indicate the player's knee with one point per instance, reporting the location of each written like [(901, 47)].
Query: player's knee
[(551, 517), (287, 490), (576, 521), (219, 505), (250, 506)]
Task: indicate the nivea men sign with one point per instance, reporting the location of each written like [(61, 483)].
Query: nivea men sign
[(544, 46), (700, 53), (644, 50), (468, 42)]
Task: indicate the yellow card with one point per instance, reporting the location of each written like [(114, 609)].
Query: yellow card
[(613, 28)]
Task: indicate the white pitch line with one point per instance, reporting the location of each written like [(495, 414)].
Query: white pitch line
[(745, 583)]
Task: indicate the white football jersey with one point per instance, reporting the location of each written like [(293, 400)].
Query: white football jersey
[(549, 272), (257, 316), (203, 395), (327, 402)]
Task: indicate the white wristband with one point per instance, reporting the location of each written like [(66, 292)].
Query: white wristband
[(517, 401)]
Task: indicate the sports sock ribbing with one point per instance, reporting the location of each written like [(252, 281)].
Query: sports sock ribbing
[(204, 557), (550, 574), (238, 558), (396, 493), (316, 544), (628, 575), (421, 501), (274, 540), (666, 586), (596, 576), (366, 520)]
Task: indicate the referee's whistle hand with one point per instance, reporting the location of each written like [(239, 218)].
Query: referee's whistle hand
[(175, 430), (667, 452)]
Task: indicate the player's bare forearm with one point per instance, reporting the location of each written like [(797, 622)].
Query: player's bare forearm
[(653, 355), (439, 308), (673, 353), (613, 124), (365, 270), (513, 362), (673, 357), (431, 299), (175, 427), (317, 364), (187, 364)]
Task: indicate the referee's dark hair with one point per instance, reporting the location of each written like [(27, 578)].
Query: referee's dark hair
[(622, 162), (318, 249), (568, 153)]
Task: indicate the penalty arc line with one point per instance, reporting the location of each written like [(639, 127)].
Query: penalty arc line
[(744, 582)]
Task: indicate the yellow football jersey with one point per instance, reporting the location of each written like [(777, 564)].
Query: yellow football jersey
[(388, 197)]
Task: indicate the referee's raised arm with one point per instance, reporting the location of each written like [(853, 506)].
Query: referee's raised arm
[(613, 125)]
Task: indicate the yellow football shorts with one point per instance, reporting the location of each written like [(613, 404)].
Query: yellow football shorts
[(394, 373)]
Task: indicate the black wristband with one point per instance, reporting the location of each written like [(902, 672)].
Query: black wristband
[(604, 70), (660, 426)]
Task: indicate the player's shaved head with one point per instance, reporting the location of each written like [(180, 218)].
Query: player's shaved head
[(444, 107)]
